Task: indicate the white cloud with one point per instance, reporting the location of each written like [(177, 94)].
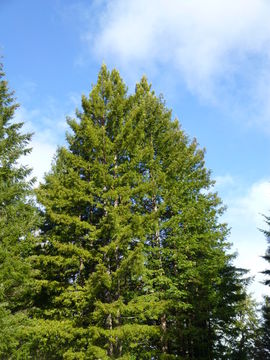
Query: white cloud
[(43, 143), (219, 48), (47, 122), (244, 216), (40, 158), (48, 127)]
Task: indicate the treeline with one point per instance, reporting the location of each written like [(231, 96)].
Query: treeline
[(119, 253)]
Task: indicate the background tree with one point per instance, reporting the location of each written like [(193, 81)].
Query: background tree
[(17, 223), (133, 261), (243, 333), (263, 343), (263, 337), (267, 253)]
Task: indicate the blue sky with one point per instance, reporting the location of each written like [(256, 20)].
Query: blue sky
[(210, 59)]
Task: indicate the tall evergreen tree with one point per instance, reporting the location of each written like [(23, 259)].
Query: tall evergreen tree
[(132, 256), (17, 222)]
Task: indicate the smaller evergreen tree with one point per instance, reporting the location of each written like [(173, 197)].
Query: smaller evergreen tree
[(267, 253), (17, 221), (244, 334), (263, 336), (263, 343)]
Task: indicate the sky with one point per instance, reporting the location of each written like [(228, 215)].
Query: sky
[(210, 59)]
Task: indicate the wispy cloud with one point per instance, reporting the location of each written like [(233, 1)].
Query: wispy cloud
[(219, 49)]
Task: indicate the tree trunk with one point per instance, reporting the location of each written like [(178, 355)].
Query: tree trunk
[(110, 326), (163, 337)]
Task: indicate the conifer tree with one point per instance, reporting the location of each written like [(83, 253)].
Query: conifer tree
[(264, 345), (242, 341), (264, 339), (17, 222), (267, 253), (132, 253)]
